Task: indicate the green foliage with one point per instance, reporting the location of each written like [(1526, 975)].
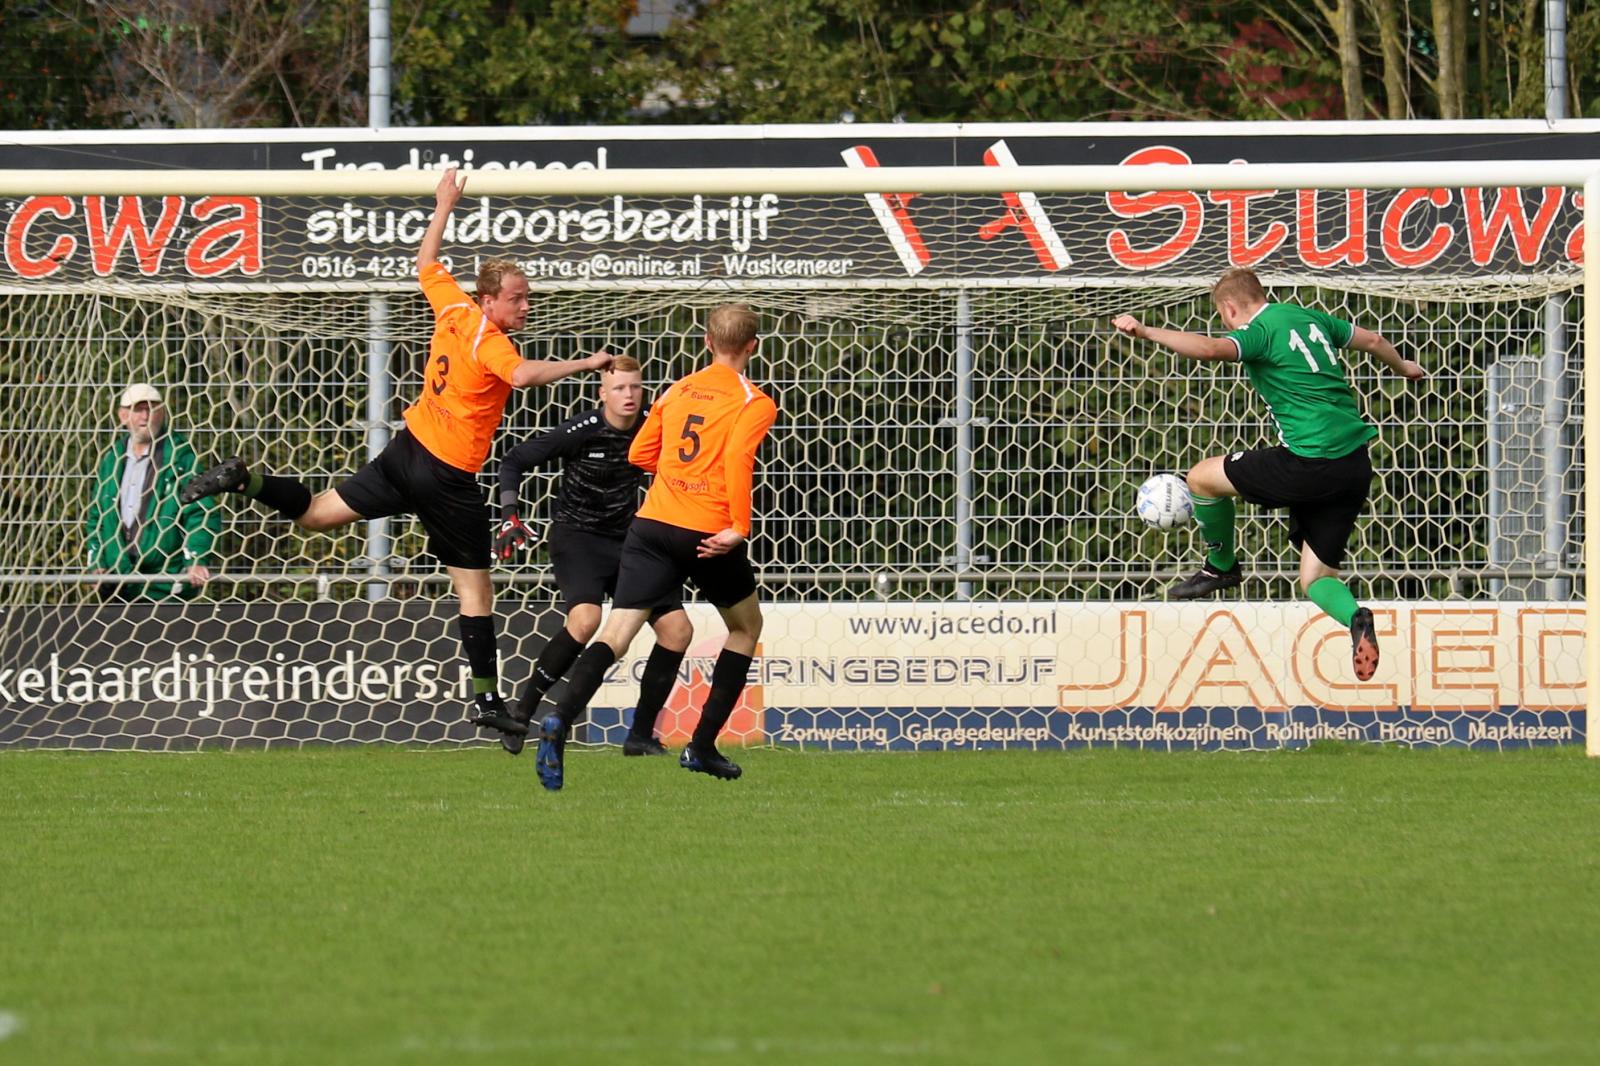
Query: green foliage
[(499, 62), (1583, 46), (47, 51), (525, 62)]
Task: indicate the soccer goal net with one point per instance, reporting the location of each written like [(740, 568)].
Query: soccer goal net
[(945, 528)]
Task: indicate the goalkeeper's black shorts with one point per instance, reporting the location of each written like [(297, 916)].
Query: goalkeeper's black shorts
[(586, 566), (406, 478), (657, 558)]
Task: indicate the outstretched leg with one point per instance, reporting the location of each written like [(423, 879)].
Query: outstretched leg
[(286, 495), (1322, 585), (1214, 513)]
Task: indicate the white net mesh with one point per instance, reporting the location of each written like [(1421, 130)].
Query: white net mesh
[(957, 448)]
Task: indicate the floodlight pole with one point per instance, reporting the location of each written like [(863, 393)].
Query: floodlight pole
[(1553, 370), (379, 387), (963, 426)]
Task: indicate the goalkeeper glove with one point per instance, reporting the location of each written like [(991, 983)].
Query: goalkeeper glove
[(511, 535)]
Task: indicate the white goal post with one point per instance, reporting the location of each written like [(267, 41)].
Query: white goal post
[(835, 323)]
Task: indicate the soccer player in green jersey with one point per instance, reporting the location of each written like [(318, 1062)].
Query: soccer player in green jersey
[(1320, 472)]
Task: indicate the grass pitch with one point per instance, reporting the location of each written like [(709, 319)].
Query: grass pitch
[(1340, 906)]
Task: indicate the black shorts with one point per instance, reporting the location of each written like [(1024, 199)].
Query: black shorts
[(658, 558), (406, 478), (1324, 496), (586, 566)]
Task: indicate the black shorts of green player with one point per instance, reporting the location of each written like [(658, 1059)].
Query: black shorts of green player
[(1323, 497), (1321, 472)]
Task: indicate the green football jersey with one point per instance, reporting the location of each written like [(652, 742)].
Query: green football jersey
[(1291, 354)]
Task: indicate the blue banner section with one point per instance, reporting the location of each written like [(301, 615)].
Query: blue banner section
[(1196, 729)]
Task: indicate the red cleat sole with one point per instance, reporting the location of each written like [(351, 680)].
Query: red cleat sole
[(1364, 658)]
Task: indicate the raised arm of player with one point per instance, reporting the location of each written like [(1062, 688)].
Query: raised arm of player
[(446, 195), (1367, 341), (544, 371), (1192, 345), (645, 450)]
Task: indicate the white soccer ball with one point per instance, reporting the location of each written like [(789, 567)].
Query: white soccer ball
[(1164, 502)]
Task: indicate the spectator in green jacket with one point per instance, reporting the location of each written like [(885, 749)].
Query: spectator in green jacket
[(136, 524)]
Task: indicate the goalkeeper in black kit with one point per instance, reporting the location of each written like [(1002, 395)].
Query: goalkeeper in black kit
[(595, 502)]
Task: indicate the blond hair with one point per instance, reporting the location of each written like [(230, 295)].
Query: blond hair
[(624, 364), (731, 327), (1239, 285), (492, 274)]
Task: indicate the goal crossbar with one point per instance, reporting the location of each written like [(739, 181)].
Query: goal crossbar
[(728, 181)]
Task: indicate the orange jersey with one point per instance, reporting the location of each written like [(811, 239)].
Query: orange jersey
[(700, 441), (468, 379)]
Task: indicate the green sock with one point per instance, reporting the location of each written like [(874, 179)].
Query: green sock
[(480, 685), (1215, 518), (256, 481), (1334, 597)]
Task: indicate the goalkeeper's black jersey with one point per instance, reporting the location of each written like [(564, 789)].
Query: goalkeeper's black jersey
[(599, 489)]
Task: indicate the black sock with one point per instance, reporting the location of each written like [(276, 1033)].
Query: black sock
[(554, 662), (585, 680), (727, 681), (477, 644), (285, 494), (660, 674)]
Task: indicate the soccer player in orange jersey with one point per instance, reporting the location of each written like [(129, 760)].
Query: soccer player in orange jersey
[(430, 468), (700, 441)]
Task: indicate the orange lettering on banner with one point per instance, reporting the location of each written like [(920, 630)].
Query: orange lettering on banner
[(17, 257), (1352, 251), (1395, 249), (1440, 682), (1540, 659), (1242, 251), (107, 239), (1484, 231), (1136, 205), (1227, 661), (1119, 691), (228, 243), (1330, 693)]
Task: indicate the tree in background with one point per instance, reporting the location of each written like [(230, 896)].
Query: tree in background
[(117, 63), (1167, 59), (516, 62), (213, 63), (51, 62)]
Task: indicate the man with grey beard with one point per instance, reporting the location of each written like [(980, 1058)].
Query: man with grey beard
[(137, 525)]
